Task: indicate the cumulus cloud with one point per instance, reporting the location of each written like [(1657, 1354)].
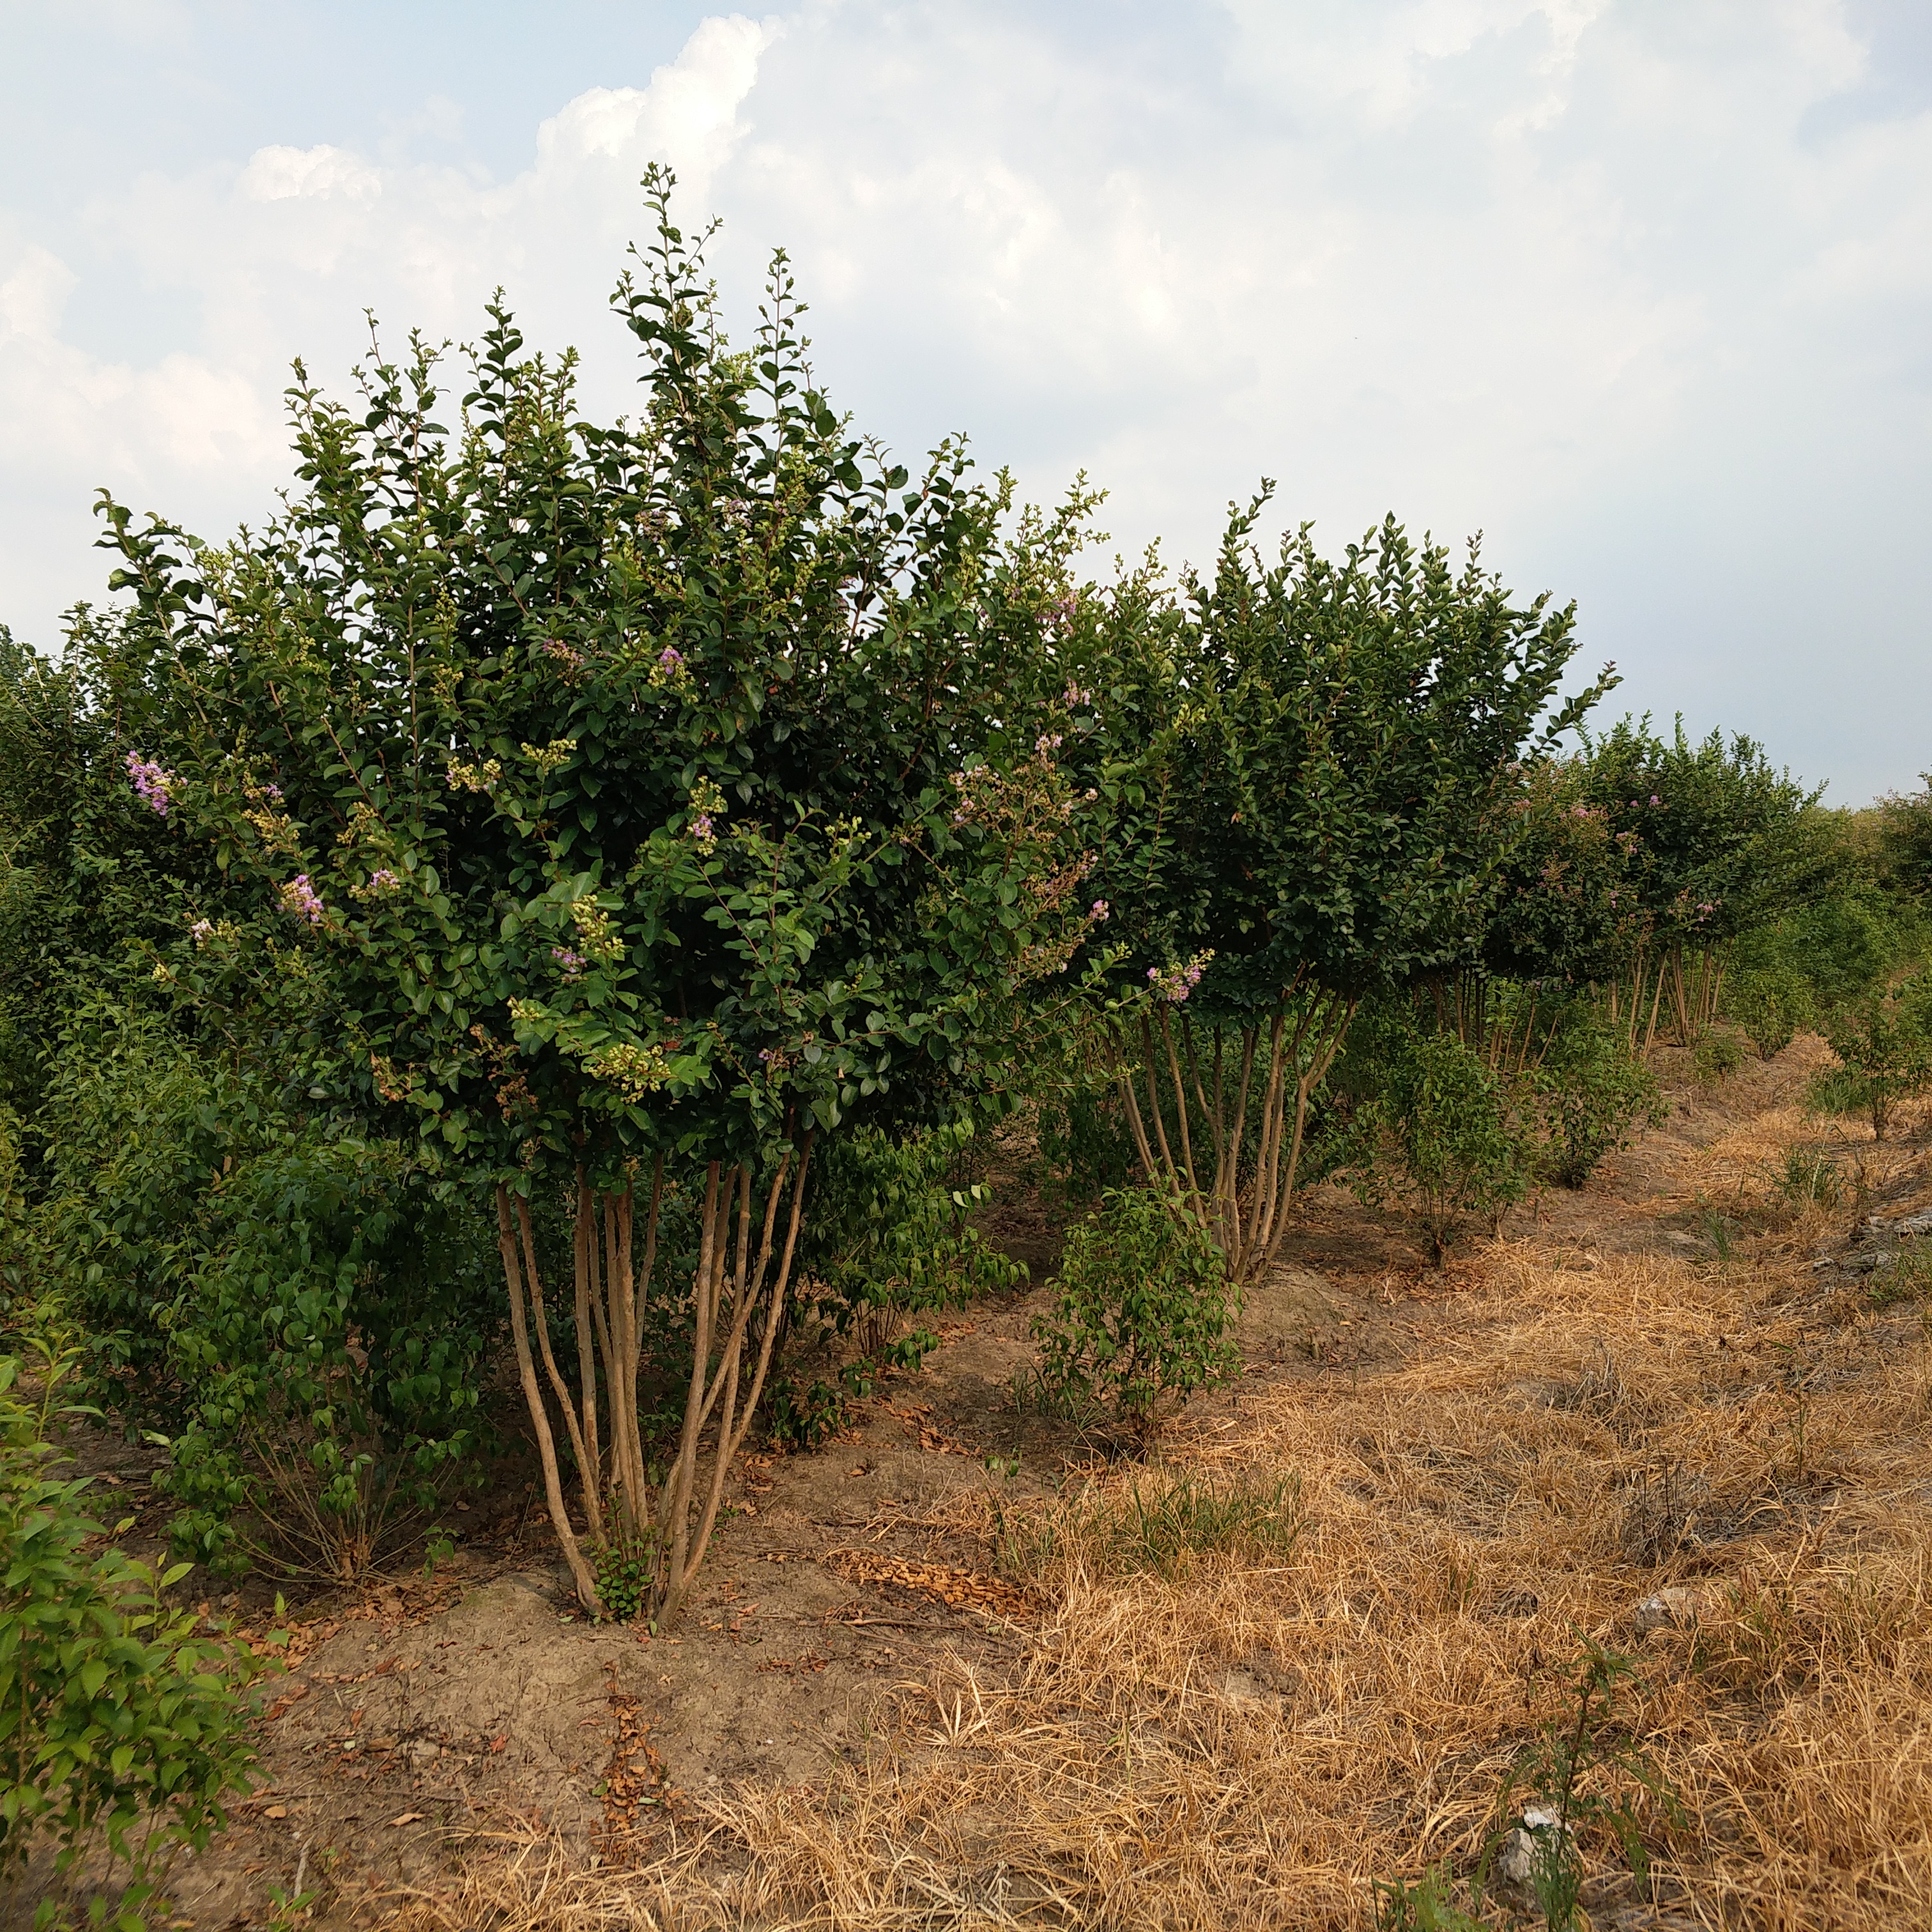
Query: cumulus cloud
[(1640, 291)]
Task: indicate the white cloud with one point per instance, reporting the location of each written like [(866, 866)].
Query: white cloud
[(276, 173), (1574, 271)]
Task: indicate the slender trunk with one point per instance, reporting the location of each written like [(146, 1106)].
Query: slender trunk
[(1656, 998), (560, 1516), (593, 1507), (584, 1281)]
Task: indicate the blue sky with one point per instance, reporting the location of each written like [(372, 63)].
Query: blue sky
[(1640, 288)]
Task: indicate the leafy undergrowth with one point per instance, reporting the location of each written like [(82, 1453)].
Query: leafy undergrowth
[(1356, 1608)]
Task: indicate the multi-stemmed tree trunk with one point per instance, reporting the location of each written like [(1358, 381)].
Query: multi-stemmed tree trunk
[(1219, 1111), (739, 1290)]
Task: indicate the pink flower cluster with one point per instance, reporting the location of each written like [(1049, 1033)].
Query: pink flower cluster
[(1099, 910), (300, 898), (1174, 983), (152, 785), (1074, 697), (572, 963)]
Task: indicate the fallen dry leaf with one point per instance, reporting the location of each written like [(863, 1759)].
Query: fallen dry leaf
[(407, 1818), (961, 1588)]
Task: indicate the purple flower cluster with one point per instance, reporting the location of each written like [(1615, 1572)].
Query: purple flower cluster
[(572, 963), (1075, 696), (1100, 909), (701, 829), (382, 879), (1047, 741), (201, 931), (152, 785), (300, 898)]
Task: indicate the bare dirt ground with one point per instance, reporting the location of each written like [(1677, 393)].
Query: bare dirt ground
[(875, 1715)]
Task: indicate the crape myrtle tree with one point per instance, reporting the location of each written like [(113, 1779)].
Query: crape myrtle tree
[(1306, 765), (639, 782), (1718, 842)]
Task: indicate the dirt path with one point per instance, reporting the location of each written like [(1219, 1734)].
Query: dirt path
[(1670, 1380)]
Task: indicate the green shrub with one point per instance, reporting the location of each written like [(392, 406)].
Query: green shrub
[(333, 1342), (624, 1573), (1446, 1134), (889, 1235), (1884, 1042), (1717, 1056), (1595, 1096), (1085, 1144), (1770, 1003), (18, 1269), (120, 1729), (1141, 1318), (298, 1309)]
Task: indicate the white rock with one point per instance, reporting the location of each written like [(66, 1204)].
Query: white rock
[(1668, 1609), (1516, 1858)]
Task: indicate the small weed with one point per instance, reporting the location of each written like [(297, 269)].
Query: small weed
[(1905, 1280), (1579, 1775), (1661, 1517), (1718, 1232), (439, 1547), (624, 1572), (1807, 1177), (1564, 1770), (1429, 1905), (1029, 1393)]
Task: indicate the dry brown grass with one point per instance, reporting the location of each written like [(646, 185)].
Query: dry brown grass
[(1252, 1745)]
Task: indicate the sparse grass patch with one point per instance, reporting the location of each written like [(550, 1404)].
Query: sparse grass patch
[(1162, 1523), (1807, 1177), (1907, 1279), (1306, 1656)]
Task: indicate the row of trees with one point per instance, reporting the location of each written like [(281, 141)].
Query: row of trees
[(570, 888)]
